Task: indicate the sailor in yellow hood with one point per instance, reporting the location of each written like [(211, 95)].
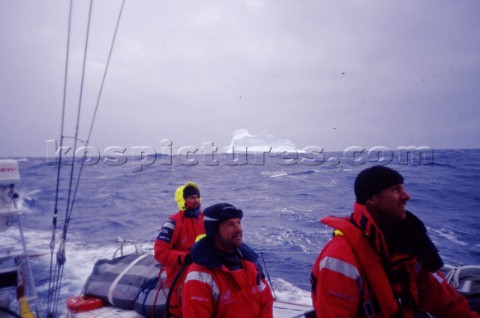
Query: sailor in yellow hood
[(176, 237), (185, 191)]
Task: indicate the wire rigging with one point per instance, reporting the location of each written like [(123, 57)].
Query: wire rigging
[(82, 164), (56, 274), (61, 257), (53, 278)]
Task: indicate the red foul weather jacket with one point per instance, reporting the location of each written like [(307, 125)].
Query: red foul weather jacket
[(349, 277), (176, 237), (212, 290)]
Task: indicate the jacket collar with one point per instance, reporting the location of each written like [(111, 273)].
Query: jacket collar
[(204, 253), (191, 213), (364, 220)]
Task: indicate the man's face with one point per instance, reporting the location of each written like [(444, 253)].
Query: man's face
[(192, 202), (388, 206), (230, 235)]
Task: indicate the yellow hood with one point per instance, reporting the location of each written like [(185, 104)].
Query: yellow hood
[(179, 194)]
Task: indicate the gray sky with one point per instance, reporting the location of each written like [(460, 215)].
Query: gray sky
[(329, 74)]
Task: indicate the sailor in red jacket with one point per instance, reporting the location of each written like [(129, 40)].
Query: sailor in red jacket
[(176, 237), (225, 280), (381, 262)]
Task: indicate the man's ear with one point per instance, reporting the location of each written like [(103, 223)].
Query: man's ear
[(372, 201)]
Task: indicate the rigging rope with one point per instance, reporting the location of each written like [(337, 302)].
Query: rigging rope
[(268, 277), (56, 274), (53, 279)]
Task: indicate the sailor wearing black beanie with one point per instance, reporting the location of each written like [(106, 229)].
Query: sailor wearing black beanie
[(381, 261), (373, 180), (216, 214)]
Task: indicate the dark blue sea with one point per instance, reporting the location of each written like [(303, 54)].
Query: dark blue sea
[(283, 199)]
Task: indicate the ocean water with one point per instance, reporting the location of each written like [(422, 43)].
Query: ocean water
[(283, 199)]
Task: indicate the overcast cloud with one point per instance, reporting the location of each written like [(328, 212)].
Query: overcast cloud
[(330, 74)]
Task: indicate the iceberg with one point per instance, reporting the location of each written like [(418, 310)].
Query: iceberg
[(244, 141)]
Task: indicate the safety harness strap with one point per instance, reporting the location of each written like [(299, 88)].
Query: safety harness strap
[(371, 264)]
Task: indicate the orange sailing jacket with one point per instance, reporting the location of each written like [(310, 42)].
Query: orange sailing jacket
[(176, 237), (212, 290), (349, 277), (172, 245)]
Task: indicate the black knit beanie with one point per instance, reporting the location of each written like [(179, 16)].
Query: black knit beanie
[(190, 190), (373, 180), (216, 214)]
